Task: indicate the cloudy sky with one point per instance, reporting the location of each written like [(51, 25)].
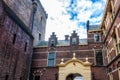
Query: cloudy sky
[(64, 16)]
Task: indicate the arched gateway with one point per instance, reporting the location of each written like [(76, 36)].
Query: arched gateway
[(75, 76), (74, 69)]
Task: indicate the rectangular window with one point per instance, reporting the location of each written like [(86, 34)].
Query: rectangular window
[(51, 59), (6, 77), (25, 49), (96, 37), (20, 78), (14, 38), (74, 41), (39, 36), (99, 58)]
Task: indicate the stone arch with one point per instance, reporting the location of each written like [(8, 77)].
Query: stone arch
[(72, 76), (74, 66)]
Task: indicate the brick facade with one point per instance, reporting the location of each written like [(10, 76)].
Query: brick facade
[(82, 49), (111, 26), (18, 26), (15, 47)]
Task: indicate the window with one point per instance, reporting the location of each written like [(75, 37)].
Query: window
[(37, 77), (41, 18), (14, 38), (115, 42), (96, 37), (99, 58), (20, 78), (52, 43), (25, 49), (39, 36), (51, 59), (6, 77), (118, 64), (74, 41)]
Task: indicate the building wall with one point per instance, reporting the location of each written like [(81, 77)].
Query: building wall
[(39, 23), (40, 56), (15, 44), (35, 21), (22, 8), (110, 27)]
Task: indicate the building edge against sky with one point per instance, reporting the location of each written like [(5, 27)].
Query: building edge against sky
[(99, 54), (102, 49)]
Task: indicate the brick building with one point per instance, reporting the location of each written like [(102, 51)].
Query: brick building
[(22, 26), (62, 59), (17, 22), (111, 38), (94, 58), (39, 23)]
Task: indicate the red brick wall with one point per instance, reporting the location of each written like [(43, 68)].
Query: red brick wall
[(66, 52), (98, 73), (14, 61), (49, 73)]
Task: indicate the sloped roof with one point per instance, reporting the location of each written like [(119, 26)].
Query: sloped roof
[(94, 27), (62, 42)]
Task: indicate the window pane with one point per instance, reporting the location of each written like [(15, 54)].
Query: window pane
[(99, 57), (51, 55), (96, 37), (51, 62), (74, 40), (51, 59)]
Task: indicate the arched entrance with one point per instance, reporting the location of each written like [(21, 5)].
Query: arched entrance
[(74, 69), (74, 76)]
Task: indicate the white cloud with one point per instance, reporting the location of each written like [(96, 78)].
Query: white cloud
[(64, 17)]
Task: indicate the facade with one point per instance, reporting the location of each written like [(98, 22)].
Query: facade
[(22, 26), (71, 58), (111, 38), (16, 39), (39, 24), (94, 58)]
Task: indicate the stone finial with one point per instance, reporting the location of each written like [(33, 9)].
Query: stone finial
[(86, 59), (74, 56), (87, 63), (62, 61)]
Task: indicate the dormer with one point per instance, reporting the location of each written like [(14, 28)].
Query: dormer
[(52, 40), (74, 39)]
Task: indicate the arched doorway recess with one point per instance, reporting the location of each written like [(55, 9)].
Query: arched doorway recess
[(69, 69), (74, 76)]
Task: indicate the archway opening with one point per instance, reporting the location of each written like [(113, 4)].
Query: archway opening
[(74, 76)]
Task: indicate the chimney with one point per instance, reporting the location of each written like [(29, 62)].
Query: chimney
[(87, 25), (66, 37)]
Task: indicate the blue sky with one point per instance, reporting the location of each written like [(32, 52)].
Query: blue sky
[(64, 16)]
